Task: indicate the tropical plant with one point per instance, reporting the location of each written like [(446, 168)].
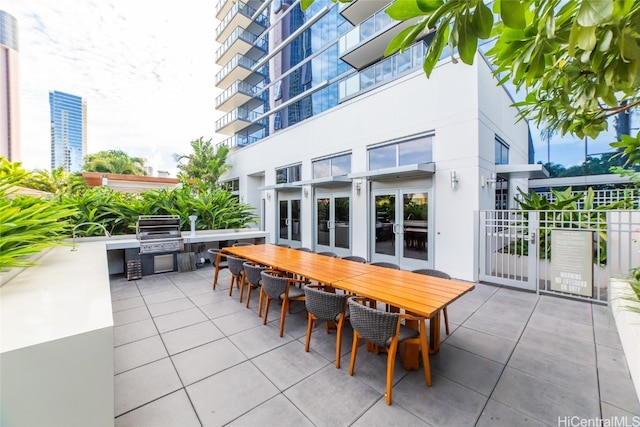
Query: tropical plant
[(564, 213), (28, 224), (206, 162), (114, 161), (578, 61), (119, 212)]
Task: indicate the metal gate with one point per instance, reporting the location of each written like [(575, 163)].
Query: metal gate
[(514, 247)]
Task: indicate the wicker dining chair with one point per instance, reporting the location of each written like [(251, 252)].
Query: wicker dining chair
[(355, 258), (327, 306), (219, 264), (442, 275), (236, 268), (242, 244), (386, 265), (328, 253), (275, 285), (252, 280), (303, 249), (386, 331)]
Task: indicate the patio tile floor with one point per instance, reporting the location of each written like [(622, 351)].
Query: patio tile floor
[(186, 355)]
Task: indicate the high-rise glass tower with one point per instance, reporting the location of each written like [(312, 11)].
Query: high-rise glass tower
[(342, 149), (9, 88), (68, 131)]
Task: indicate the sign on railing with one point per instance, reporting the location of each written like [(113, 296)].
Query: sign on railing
[(572, 261)]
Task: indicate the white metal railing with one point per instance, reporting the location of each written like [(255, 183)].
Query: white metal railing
[(515, 247)]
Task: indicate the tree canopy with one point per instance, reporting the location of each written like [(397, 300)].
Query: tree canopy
[(577, 61), (206, 162), (114, 161)]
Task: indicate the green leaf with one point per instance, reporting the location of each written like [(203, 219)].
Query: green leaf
[(605, 42), (405, 38), (435, 49), (586, 38), (482, 20), (467, 41), (622, 7), (304, 4), (404, 10), (594, 12), (550, 25), (629, 47), (429, 5), (512, 13)]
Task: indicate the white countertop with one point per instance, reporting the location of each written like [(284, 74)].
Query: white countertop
[(66, 294)]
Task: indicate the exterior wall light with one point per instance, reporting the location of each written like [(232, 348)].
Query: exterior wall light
[(358, 187), (488, 181), (454, 180), (305, 191)]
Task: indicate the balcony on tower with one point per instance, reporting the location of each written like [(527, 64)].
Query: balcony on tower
[(223, 6), (239, 68), (243, 42), (366, 43), (239, 119), (241, 15), (241, 94), (358, 11)]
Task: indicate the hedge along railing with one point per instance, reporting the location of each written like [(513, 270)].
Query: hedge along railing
[(600, 197), (118, 212)]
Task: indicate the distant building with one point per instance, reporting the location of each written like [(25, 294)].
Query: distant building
[(9, 88), (68, 131), (129, 183)]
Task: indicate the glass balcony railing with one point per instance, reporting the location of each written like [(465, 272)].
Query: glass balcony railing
[(383, 71), (237, 61), (378, 22), (243, 9), (236, 114), (240, 87), (240, 34), (239, 140)]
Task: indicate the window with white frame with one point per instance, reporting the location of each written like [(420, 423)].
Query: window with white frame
[(332, 166), (289, 174), (416, 150)]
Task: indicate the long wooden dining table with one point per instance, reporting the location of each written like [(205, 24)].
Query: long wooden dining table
[(415, 293)]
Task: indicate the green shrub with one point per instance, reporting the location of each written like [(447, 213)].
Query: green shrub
[(28, 224)]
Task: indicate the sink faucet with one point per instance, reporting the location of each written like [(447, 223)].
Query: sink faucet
[(73, 239)]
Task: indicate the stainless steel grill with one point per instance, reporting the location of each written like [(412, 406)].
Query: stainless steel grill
[(159, 233)]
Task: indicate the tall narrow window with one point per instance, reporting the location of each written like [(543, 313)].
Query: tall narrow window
[(502, 152)]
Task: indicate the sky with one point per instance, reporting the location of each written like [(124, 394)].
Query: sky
[(145, 69)]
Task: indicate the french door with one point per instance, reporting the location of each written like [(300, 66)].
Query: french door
[(333, 226), (289, 220), (400, 228)]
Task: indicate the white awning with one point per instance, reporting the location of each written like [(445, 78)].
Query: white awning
[(406, 171), (327, 181), (526, 171), (284, 186)]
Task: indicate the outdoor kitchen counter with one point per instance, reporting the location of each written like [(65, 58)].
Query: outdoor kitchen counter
[(202, 236), (56, 351)]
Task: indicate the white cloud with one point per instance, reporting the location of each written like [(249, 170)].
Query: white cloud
[(145, 69)]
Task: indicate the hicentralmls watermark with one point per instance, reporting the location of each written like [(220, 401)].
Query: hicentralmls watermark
[(575, 421)]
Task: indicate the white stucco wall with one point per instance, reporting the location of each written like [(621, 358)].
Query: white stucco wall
[(460, 104)]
